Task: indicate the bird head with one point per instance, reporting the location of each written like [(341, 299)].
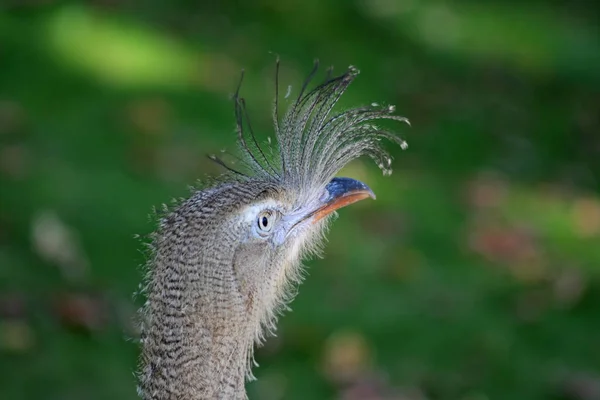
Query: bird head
[(268, 229), (275, 213)]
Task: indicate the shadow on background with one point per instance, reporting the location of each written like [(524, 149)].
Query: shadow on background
[(475, 274)]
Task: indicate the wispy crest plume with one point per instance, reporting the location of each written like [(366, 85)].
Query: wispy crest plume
[(313, 143)]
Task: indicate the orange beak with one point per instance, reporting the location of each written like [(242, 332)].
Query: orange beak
[(342, 192)]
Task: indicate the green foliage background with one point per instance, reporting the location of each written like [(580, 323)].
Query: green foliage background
[(475, 274)]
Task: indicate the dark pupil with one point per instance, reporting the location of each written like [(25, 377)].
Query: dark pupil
[(265, 222)]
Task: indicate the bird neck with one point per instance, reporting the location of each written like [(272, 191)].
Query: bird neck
[(196, 344)]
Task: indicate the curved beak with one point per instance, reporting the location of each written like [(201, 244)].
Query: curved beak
[(341, 192)]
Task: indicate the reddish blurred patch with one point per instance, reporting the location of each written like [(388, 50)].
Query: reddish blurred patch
[(82, 311), (515, 248), (487, 191), (378, 388)]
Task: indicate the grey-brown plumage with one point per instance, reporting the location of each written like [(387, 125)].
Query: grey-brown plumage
[(226, 261)]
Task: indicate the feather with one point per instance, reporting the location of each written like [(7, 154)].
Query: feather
[(313, 143)]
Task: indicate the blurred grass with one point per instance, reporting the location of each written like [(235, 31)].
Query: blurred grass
[(473, 276)]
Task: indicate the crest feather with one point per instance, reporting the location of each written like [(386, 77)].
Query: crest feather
[(313, 144)]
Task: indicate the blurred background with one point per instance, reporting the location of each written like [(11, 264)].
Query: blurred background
[(474, 276)]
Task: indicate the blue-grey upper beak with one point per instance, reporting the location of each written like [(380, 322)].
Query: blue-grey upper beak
[(341, 187), (339, 193)]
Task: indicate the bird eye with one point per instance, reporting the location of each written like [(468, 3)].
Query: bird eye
[(265, 221)]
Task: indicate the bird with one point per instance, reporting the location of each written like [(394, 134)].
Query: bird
[(226, 262)]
